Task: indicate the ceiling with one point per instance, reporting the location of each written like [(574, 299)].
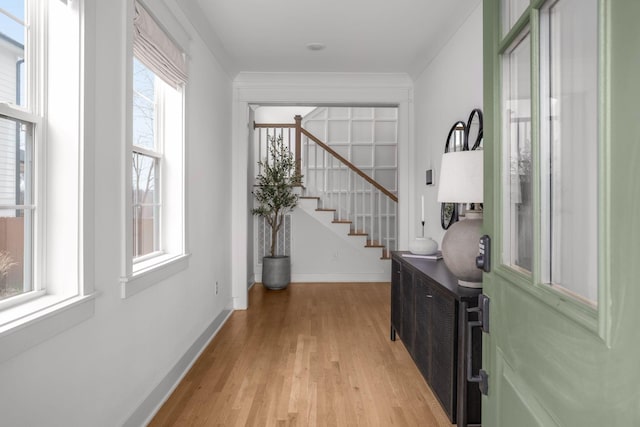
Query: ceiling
[(374, 36)]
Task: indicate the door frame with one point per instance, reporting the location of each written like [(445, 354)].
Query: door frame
[(313, 89)]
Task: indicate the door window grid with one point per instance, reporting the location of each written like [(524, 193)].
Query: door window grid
[(511, 11), (565, 211)]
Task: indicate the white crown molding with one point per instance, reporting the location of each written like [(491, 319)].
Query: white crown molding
[(322, 79), (189, 11), (378, 89)]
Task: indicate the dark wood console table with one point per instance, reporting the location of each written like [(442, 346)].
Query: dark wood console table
[(428, 313)]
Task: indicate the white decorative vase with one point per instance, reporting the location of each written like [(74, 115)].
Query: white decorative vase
[(423, 246)]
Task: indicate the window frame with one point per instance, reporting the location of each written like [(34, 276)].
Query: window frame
[(172, 257), (33, 114), (582, 312), (156, 205), (508, 257), (63, 293)]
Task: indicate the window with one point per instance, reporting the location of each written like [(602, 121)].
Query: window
[(569, 146), (14, 31), (517, 171), (16, 208), (146, 160), (154, 214), (17, 124), (550, 148), (41, 172)]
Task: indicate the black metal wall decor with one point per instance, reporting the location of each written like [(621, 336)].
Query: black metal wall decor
[(474, 130), (459, 137), (456, 139)]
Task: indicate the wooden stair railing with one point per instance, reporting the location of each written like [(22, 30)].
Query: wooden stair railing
[(350, 165), (340, 186)]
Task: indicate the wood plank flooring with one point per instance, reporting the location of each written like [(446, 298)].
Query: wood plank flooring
[(312, 355)]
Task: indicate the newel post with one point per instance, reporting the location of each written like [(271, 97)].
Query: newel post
[(298, 153)]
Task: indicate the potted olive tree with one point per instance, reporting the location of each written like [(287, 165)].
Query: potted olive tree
[(275, 197)]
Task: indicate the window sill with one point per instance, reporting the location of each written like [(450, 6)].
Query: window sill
[(152, 271), (28, 324)]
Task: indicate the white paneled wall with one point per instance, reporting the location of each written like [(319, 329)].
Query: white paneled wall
[(366, 136)]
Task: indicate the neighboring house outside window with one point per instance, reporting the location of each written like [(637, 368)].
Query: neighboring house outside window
[(16, 146)]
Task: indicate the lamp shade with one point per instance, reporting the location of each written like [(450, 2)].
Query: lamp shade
[(461, 177)]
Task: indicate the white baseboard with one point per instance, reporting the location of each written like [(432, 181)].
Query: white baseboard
[(154, 401), (340, 277), (336, 277)]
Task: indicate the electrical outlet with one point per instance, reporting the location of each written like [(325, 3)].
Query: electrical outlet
[(216, 287)]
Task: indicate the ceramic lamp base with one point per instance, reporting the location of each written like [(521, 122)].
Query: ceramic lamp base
[(460, 248)]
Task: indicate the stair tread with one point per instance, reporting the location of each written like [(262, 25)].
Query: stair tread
[(386, 254), (374, 244)]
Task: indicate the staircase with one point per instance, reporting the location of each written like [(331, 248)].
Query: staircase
[(338, 194), (312, 205)]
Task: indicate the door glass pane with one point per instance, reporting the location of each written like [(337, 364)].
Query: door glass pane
[(145, 205), (12, 52), (15, 219), (511, 11), (569, 144), (517, 173)]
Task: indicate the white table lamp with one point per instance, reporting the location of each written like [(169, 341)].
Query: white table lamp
[(461, 181)]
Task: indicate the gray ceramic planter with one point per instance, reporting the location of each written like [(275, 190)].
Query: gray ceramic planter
[(276, 272)]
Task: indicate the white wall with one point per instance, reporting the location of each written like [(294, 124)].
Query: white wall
[(113, 368), (277, 114), (448, 89), (319, 254)]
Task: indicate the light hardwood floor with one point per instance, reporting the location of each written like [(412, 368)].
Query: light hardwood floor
[(312, 355)]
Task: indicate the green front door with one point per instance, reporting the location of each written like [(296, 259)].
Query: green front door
[(562, 206)]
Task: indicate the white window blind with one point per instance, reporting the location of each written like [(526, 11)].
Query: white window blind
[(153, 47)]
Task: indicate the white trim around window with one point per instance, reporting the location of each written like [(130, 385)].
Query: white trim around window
[(169, 255), (63, 274)]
